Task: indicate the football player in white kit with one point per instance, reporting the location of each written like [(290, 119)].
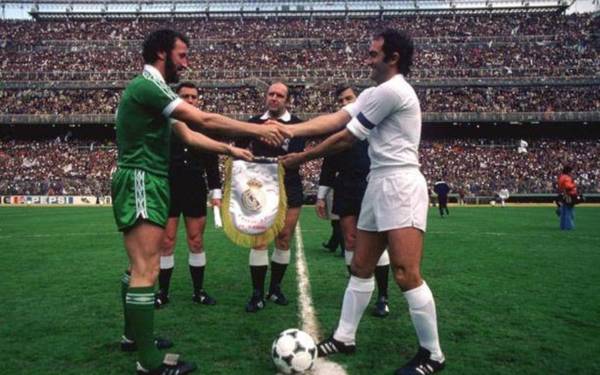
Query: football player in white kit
[(394, 209)]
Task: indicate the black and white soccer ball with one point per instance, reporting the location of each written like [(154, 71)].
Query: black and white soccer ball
[(294, 351)]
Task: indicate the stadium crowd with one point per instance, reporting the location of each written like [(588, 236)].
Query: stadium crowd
[(538, 45), (60, 166), (470, 166), (421, 25), (306, 99), (483, 167), (518, 58), (522, 44)]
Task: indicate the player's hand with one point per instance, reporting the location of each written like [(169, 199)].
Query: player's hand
[(271, 136), (292, 160), (240, 153), (285, 131), (321, 208), (215, 202), (269, 142), (273, 133)]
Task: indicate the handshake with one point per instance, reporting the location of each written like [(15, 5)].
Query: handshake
[(274, 133), (271, 132)]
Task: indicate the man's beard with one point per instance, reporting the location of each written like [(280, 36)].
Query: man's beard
[(171, 75)]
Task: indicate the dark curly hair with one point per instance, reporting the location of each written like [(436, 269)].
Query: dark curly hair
[(395, 41), (161, 41)]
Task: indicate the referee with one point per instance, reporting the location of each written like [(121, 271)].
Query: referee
[(187, 182), (277, 100)]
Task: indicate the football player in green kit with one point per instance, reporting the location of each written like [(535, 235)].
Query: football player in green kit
[(147, 114)]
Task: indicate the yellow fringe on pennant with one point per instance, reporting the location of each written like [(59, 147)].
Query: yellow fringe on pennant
[(252, 240)]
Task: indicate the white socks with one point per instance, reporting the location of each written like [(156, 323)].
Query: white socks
[(194, 260), (356, 299), (259, 257), (421, 307), (197, 260), (281, 256), (167, 262)]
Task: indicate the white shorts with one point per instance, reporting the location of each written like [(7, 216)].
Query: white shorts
[(395, 199)]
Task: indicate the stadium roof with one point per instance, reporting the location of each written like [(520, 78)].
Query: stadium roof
[(258, 8)]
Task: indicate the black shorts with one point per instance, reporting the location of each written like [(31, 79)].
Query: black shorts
[(188, 195), (295, 198), (347, 200)]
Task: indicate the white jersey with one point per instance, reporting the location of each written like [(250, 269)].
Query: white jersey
[(389, 117)]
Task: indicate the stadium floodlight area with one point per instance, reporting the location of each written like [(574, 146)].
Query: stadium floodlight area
[(298, 8)]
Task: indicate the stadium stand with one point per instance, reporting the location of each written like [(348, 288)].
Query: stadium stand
[(247, 100), (485, 80), (477, 166)]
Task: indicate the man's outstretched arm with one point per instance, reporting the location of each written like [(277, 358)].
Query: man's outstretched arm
[(204, 143), (274, 133), (320, 125), (337, 142)]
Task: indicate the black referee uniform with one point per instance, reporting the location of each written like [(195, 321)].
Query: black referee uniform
[(346, 173), (188, 175), (292, 181)]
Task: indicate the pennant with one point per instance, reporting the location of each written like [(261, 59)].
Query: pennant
[(254, 201)]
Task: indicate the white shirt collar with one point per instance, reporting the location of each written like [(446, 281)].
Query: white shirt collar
[(285, 117), (154, 72)]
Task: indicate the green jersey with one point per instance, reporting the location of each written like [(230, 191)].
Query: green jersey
[(143, 125)]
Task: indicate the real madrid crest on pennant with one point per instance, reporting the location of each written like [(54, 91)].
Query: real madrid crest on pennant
[(253, 198), (254, 201)]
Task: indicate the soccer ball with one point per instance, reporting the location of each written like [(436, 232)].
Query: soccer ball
[(492, 203), (294, 351)]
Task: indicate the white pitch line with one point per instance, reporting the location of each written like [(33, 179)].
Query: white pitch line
[(309, 323)]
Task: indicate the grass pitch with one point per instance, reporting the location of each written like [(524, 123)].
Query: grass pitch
[(514, 295)]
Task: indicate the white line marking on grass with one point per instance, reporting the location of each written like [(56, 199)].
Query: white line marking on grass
[(307, 311)]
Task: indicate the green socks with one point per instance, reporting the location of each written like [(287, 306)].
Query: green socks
[(139, 311), (127, 330)]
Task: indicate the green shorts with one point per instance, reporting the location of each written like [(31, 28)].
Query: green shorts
[(137, 194)]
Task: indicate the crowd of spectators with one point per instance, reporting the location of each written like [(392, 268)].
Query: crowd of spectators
[(447, 46), (470, 166), (307, 99), (421, 26), (511, 99), (238, 59), (60, 166), (534, 45), (59, 102), (483, 166)]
